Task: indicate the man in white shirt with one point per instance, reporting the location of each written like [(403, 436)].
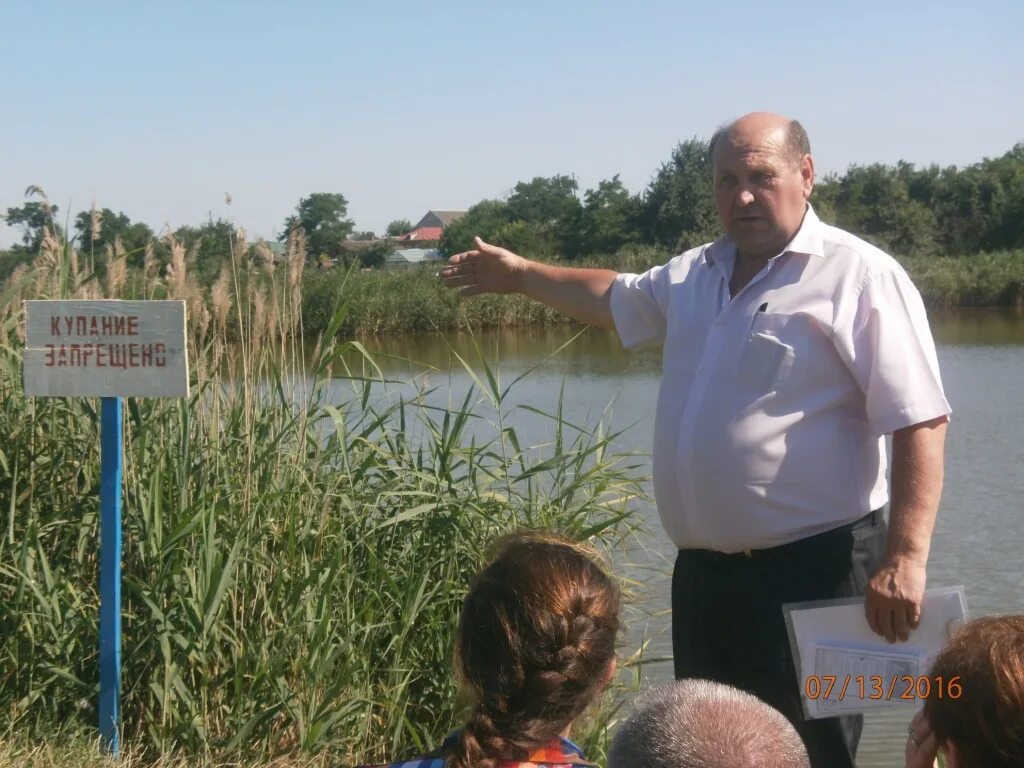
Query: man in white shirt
[(790, 349)]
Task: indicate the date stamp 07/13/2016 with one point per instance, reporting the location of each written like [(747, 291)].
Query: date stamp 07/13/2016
[(879, 688)]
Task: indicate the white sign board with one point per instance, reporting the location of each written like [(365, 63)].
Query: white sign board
[(106, 348)]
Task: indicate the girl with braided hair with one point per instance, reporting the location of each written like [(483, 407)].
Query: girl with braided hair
[(535, 646)]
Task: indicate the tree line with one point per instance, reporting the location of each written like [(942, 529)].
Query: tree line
[(322, 216), (908, 210)]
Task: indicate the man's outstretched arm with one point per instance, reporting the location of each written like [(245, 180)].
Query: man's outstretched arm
[(584, 294), (894, 595)]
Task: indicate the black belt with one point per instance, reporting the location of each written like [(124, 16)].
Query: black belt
[(794, 547)]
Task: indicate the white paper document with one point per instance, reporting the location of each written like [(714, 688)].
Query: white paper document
[(844, 668)]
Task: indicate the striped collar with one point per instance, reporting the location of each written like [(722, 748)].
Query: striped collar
[(560, 752)]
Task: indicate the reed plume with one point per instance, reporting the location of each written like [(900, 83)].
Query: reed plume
[(220, 299), (95, 222), (117, 268), (176, 270)]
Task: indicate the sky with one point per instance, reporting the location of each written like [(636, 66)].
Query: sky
[(158, 109)]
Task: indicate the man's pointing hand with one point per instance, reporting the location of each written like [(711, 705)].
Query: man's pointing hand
[(485, 269)]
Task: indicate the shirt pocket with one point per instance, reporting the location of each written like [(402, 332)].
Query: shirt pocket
[(766, 362)]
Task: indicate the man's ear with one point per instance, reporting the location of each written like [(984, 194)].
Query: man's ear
[(807, 174)]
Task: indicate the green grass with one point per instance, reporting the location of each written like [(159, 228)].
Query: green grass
[(71, 750), (296, 545)]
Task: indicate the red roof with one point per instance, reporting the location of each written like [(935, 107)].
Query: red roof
[(423, 233)]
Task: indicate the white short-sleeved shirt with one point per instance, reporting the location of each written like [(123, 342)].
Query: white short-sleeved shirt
[(773, 405)]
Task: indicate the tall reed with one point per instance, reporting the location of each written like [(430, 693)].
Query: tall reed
[(412, 300), (298, 533)]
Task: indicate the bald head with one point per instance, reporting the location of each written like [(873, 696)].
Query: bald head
[(763, 174), (702, 724), (758, 127)]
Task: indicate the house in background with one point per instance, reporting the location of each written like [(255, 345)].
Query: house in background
[(417, 246), (431, 227)]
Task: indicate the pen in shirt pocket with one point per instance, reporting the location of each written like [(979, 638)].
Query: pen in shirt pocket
[(753, 319)]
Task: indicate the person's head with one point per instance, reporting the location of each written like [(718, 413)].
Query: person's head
[(535, 645), (763, 174), (701, 724), (982, 726)]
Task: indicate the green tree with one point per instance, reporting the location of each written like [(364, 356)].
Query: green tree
[(962, 204), (921, 183), (544, 200), (552, 213), (1007, 228), (212, 245), (33, 218), (678, 209), (825, 197), (134, 236), (485, 219), (874, 202), (323, 216), (981, 208), (373, 256), (364, 235), (398, 227), (11, 259), (610, 218)]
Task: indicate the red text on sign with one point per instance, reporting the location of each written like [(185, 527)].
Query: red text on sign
[(91, 325), (124, 356)]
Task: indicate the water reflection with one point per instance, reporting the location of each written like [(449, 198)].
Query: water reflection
[(561, 349), (982, 327), (598, 352)]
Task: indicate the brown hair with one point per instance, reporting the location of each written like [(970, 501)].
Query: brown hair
[(985, 719), (535, 642)]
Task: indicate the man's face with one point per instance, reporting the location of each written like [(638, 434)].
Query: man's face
[(760, 190)]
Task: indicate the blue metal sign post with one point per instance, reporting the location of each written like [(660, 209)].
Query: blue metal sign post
[(110, 574)]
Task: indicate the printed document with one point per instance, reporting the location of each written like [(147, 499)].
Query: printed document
[(844, 668)]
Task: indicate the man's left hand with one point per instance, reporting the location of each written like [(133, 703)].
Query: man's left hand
[(892, 602)]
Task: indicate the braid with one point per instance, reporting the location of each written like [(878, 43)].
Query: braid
[(569, 672), (535, 642), (480, 744)]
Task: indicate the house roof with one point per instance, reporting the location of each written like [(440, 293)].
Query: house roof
[(423, 233), (445, 217)]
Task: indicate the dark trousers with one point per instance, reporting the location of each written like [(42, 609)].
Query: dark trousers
[(727, 622)]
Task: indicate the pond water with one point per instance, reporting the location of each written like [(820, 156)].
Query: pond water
[(980, 529)]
